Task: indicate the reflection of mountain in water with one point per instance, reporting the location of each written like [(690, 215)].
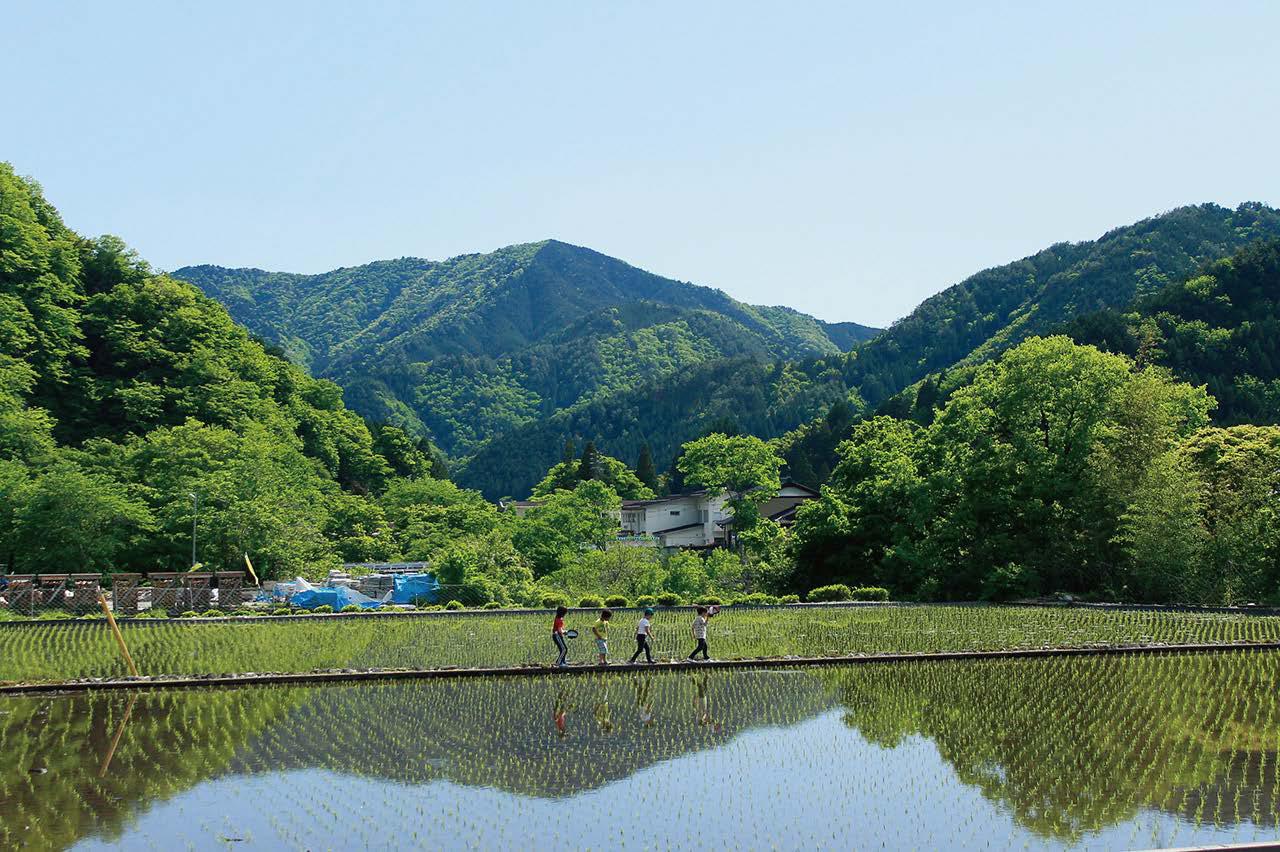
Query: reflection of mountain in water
[(1066, 745), (1071, 745), (61, 780), (504, 733)]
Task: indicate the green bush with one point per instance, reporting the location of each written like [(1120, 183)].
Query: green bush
[(616, 602), (89, 616), (836, 592), (154, 612), (282, 610), (492, 605), (591, 602), (322, 608), (789, 599), (350, 608), (191, 613), (454, 605), (243, 613), (213, 613), (710, 600), (669, 599), (551, 601), (646, 600), (870, 593), (55, 615), (757, 599)]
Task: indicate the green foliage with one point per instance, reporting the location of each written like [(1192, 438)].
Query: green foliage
[(472, 347), (834, 592), (741, 466), (322, 609), (565, 476), (453, 606), (616, 602), (123, 391), (590, 602), (994, 310), (551, 601), (645, 470), (1220, 328), (869, 593), (1050, 472), (764, 399), (754, 599), (669, 599), (646, 600), (789, 599), (554, 533)]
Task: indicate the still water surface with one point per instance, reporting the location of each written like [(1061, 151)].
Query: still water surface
[(1109, 753)]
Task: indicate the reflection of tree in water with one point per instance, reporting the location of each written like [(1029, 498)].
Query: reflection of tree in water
[(1067, 745), (1072, 745), (62, 780), (546, 737)]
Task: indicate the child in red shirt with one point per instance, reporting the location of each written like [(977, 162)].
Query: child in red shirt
[(557, 636)]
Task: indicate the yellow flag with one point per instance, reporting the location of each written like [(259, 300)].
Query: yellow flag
[(252, 573)]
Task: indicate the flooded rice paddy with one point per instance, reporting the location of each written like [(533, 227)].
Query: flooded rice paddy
[(1105, 752)]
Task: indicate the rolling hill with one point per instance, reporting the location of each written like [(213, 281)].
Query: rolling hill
[(470, 348)]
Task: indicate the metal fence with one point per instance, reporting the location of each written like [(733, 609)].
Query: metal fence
[(126, 594)]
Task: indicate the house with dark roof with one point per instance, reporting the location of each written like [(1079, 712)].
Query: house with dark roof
[(680, 520)]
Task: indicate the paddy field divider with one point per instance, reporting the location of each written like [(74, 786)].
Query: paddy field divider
[(538, 670)]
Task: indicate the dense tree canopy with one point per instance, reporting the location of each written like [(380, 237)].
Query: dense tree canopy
[(1024, 484)]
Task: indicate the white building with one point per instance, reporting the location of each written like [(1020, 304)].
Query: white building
[(694, 519), (681, 520)]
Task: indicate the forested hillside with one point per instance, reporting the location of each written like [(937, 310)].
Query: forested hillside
[(469, 348), (977, 319), (1220, 328), (745, 394), (123, 393)]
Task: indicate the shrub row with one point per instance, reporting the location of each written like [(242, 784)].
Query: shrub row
[(841, 592)]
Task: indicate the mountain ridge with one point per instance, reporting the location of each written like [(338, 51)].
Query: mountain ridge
[(464, 349)]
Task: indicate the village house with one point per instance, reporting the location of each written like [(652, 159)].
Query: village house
[(694, 519)]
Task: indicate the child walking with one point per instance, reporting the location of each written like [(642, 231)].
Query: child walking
[(601, 631), (644, 631), (700, 631), (557, 636)]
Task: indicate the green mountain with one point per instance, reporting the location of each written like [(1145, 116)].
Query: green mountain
[(1219, 328), (124, 392), (743, 394), (987, 313), (470, 348)]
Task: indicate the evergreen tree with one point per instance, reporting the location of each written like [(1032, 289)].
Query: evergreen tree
[(589, 467), (645, 471), (570, 450)]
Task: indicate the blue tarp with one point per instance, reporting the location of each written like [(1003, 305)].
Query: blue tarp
[(335, 596), (415, 588), (302, 594)]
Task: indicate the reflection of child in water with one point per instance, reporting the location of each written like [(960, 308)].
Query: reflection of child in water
[(702, 706), (558, 715), (644, 701), (602, 713)]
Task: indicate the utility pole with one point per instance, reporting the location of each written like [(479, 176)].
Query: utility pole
[(195, 514)]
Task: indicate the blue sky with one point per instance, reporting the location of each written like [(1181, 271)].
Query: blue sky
[(848, 160)]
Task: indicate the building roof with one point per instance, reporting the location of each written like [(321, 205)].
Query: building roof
[(657, 501), (676, 529)]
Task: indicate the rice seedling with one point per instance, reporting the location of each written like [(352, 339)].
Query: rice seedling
[(1118, 751), (79, 649)]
